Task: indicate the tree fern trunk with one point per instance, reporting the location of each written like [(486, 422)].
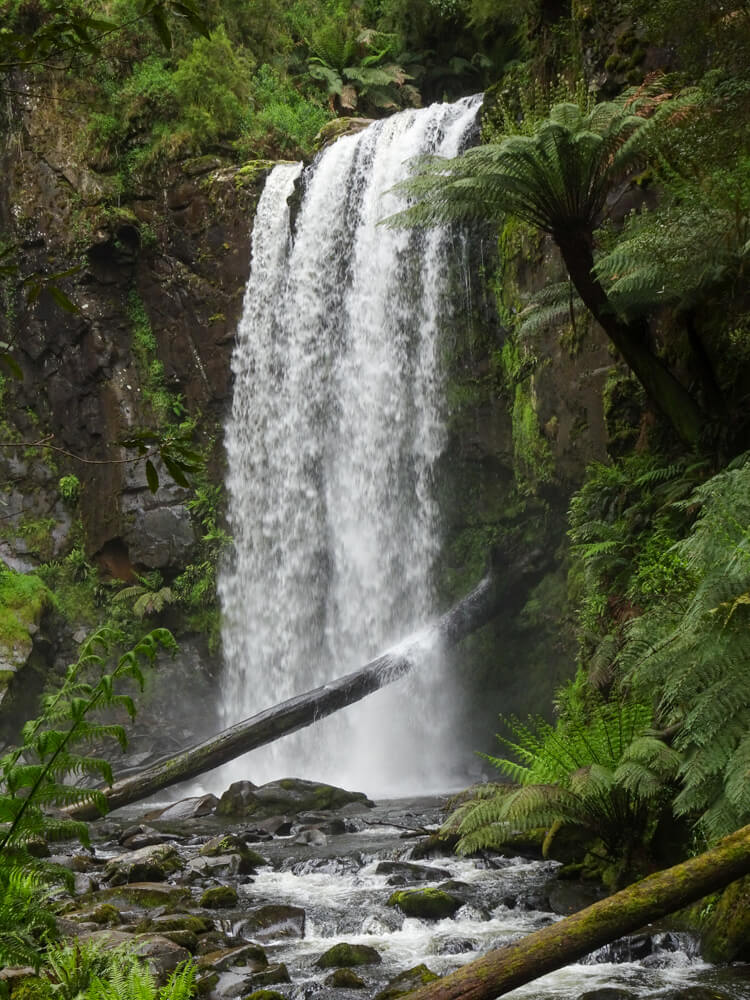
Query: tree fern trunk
[(631, 340)]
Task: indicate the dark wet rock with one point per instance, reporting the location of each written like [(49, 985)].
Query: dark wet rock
[(457, 946), (345, 979), (332, 826), (181, 922), (407, 981), (289, 796), (410, 872), (349, 864), (219, 897), (214, 941), (442, 845), (246, 955), (185, 939), (201, 805), (275, 921), (272, 975), (148, 864), (103, 915), (312, 837), (265, 995), (608, 993), (343, 955), (632, 948), (429, 904), (564, 898)]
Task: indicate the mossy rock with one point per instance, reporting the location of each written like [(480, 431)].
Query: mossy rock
[(406, 982), (186, 939), (345, 979), (265, 995), (229, 843), (246, 955), (277, 920), (105, 914), (289, 796), (343, 955), (182, 922), (429, 904), (726, 933), (219, 897), (146, 894), (335, 129), (274, 974)]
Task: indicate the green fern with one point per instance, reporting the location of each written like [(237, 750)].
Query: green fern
[(694, 655), (594, 771)]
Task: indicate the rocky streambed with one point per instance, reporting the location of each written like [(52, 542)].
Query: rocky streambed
[(313, 893)]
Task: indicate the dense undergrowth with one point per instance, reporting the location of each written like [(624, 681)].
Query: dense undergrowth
[(651, 742)]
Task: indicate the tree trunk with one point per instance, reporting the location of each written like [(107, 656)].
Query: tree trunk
[(500, 971), (631, 340), (471, 613)]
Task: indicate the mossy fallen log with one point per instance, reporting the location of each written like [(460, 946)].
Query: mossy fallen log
[(504, 969), (469, 614)]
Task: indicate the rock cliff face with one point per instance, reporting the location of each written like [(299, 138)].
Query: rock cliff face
[(158, 285)]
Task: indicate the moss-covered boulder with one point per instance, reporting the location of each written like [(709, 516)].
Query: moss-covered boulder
[(406, 982), (265, 995), (144, 895), (219, 897), (229, 844), (289, 796), (345, 979), (342, 955), (148, 864), (272, 975), (725, 935), (429, 904)]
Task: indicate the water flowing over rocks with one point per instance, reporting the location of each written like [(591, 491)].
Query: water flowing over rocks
[(315, 921)]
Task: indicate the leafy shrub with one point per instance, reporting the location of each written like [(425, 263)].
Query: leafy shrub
[(70, 489), (283, 120)]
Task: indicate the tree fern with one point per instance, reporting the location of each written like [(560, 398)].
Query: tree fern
[(594, 771)]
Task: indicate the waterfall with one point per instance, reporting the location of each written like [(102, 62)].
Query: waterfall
[(335, 430)]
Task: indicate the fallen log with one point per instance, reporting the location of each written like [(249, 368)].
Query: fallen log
[(504, 969), (469, 614)]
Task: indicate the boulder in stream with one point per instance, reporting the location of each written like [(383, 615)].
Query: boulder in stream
[(406, 871), (407, 981), (345, 979), (275, 921), (199, 805), (344, 955), (429, 904), (289, 796), (148, 864)]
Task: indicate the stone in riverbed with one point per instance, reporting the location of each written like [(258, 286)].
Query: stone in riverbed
[(219, 897), (265, 995), (148, 864), (145, 895), (250, 954), (345, 955), (410, 872), (289, 796), (345, 979), (429, 904), (275, 921), (407, 981), (200, 805), (272, 975), (229, 843)]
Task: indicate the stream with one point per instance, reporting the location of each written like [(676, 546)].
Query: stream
[(343, 879)]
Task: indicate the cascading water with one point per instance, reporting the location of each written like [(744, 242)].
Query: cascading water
[(335, 430)]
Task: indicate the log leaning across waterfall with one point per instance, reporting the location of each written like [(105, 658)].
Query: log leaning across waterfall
[(469, 614), (504, 969)]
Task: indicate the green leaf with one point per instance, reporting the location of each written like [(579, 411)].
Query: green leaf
[(152, 476), (62, 299), (162, 28)]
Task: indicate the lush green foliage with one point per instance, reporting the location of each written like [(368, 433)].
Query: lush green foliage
[(595, 770), (692, 652)]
